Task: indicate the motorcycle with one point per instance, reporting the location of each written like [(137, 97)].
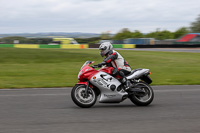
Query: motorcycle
[(93, 83)]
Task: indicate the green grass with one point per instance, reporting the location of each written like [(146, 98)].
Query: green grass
[(20, 68)]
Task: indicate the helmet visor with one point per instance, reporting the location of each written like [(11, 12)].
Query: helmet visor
[(102, 50), (102, 53)]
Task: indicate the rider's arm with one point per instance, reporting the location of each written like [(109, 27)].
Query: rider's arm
[(111, 57)]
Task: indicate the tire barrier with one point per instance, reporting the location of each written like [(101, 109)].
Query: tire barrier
[(68, 46), (84, 46), (114, 45)]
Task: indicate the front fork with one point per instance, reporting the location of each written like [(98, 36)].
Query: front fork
[(86, 89), (87, 84)]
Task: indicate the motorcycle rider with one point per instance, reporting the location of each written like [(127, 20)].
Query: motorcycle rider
[(114, 59)]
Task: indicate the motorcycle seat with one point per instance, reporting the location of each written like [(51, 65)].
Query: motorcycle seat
[(133, 71)]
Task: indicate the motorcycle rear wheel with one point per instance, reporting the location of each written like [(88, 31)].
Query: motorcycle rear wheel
[(142, 99), (79, 98)]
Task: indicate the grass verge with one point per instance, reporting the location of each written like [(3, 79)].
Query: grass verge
[(21, 68)]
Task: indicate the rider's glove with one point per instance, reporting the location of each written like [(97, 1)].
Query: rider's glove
[(101, 64)]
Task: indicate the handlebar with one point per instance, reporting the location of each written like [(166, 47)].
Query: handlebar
[(95, 66)]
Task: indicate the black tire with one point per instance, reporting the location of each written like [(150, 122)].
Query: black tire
[(77, 95), (137, 98)]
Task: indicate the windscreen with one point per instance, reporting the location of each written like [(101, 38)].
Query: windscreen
[(87, 62)]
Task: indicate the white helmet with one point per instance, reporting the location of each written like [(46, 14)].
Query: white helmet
[(105, 48)]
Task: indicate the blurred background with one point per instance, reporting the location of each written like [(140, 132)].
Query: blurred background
[(76, 25), (91, 21)]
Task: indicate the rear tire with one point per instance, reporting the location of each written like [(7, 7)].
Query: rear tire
[(79, 98), (142, 100)]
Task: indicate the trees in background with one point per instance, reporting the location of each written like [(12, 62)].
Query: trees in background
[(195, 26), (158, 34), (126, 33), (23, 40)]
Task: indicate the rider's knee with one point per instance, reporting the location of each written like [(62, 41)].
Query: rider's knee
[(115, 72)]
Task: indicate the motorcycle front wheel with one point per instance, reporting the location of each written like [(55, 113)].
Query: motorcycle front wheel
[(81, 99), (145, 98)]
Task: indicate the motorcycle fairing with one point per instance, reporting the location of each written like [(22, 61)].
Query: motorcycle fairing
[(105, 83)]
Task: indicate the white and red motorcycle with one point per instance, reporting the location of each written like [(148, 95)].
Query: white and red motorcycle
[(93, 83)]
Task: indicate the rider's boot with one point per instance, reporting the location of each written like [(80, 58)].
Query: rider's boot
[(126, 83)]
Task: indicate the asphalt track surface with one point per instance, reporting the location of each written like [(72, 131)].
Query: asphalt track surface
[(175, 109)]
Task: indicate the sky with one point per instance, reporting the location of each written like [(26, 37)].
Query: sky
[(96, 16)]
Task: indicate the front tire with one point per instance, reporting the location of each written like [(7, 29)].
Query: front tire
[(79, 98), (142, 99)]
